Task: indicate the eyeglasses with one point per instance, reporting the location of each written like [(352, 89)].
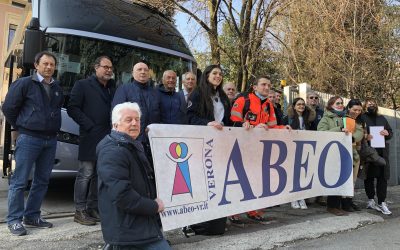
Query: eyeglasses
[(313, 97), (107, 67), (338, 103)]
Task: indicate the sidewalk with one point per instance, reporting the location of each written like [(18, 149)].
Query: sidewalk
[(284, 225)]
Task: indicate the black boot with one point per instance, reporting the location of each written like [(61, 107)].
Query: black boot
[(346, 204), (83, 218)]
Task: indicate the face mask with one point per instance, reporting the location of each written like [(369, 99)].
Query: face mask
[(371, 110)]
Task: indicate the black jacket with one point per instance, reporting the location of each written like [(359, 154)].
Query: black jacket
[(319, 113), (146, 97), (29, 110), (292, 118), (378, 120), (278, 114), (90, 106), (193, 111), (126, 192)]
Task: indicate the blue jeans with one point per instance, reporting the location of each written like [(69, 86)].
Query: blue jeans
[(30, 150), (85, 190)]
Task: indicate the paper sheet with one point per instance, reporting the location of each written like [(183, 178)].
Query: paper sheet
[(378, 140)]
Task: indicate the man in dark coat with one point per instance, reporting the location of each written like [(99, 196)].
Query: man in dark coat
[(313, 102), (373, 171), (90, 107), (33, 107), (189, 84), (173, 105), (127, 193), (146, 96), (277, 107)]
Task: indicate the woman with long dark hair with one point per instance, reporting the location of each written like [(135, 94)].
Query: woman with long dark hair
[(333, 121), (299, 117), (208, 104)]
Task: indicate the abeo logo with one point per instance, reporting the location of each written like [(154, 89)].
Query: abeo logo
[(179, 155)]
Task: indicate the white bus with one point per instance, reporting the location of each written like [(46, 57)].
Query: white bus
[(77, 32)]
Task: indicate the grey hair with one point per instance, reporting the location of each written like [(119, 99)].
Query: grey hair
[(312, 93), (166, 72), (116, 112), (189, 72)]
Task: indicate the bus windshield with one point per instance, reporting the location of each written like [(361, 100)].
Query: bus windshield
[(76, 55)]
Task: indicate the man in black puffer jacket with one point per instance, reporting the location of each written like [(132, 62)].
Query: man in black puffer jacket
[(127, 195)]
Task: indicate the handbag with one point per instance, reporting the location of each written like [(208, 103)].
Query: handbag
[(369, 155)]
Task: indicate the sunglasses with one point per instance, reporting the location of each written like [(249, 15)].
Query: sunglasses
[(106, 67), (313, 97), (338, 103)]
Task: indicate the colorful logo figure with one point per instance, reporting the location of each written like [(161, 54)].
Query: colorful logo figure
[(182, 182)]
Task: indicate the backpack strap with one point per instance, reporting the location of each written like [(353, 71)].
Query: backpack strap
[(246, 104)]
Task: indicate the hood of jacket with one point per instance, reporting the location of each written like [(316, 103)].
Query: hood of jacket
[(162, 89), (330, 114), (124, 138)]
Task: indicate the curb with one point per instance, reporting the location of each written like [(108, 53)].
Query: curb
[(274, 237)]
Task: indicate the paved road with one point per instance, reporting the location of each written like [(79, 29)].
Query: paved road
[(59, 200), (286, 225), (385, 235)]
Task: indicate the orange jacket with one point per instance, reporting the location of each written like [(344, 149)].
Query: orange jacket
[(258, 112)]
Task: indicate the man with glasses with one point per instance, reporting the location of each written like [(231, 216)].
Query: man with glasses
[(90, 106), (313, 102)]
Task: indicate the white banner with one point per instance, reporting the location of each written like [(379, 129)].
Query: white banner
[(203, 173)]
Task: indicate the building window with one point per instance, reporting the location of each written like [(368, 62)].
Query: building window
[(17, 4), (11, 33)]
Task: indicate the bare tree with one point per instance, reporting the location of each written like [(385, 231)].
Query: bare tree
[(248, 25), (339, 46)]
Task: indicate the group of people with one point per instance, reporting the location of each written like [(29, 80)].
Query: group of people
[(115, 180)]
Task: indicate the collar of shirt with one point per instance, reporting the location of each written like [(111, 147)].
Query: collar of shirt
[(41, 78)]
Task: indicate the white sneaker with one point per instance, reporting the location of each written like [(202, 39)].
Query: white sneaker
[(384, 209), (302, 204), (295, 205), (372, 205)]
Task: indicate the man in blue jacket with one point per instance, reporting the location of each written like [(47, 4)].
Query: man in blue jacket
[(173, 105), (128, 200), (33, 107), (90, 106), (146, 96)]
